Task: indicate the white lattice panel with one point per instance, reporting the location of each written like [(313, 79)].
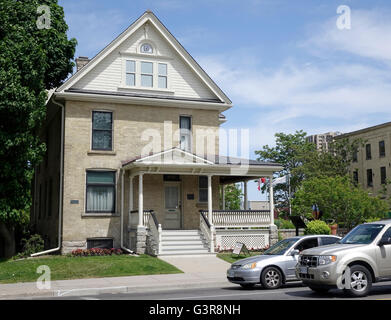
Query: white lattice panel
[(253, 241)]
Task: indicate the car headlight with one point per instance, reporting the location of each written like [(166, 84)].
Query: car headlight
[(323, 260), (249, 265)]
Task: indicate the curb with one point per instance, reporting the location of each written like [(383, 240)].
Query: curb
[(78, 292)]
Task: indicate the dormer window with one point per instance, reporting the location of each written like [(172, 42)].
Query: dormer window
[(146, 48)]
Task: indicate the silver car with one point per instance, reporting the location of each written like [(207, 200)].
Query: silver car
[(277, 264)]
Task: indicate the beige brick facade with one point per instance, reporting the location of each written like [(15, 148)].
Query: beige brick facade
[(372, 136), (129, 123)]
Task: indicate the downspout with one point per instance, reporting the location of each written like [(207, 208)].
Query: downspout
[(60, 200), (122, 212)]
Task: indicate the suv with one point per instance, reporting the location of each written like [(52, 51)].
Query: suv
[(361, 258)]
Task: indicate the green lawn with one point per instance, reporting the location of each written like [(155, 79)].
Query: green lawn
[(231, 258), (63, 267)]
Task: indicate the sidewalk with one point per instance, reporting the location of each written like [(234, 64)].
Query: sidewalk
[(95, 286)]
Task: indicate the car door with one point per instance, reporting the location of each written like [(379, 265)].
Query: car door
[(301, 245), (383, 256)]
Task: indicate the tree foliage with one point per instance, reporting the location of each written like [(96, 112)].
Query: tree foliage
[(31, 61), (233, 195), (288, 152), (339, 199), (330, 163)]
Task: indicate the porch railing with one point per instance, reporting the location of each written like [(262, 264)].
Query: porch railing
[(207, 230), (133, 218), (151, 222), (240, 218), (155, 231)]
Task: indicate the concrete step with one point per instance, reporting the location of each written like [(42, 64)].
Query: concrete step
[(180, 238), (183, 247), (180, 233), (179, 243)]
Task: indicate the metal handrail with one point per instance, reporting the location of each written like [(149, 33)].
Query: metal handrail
[(153, 215), (205, 218)]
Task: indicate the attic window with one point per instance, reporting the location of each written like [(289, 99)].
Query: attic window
[(146, 48)]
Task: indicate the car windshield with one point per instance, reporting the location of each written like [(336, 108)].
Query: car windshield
[(362, 234), (280, 247)]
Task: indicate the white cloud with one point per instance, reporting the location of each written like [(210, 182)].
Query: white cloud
[(341, 93), (369, 36)]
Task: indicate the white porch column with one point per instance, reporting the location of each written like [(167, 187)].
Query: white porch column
[(223, 195), (140, 201), (130, 197), (210, 199), (245, 196), (271, 200)]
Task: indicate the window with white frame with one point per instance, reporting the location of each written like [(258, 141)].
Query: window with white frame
[(130, 73), (185, 133), (162, 75), (146, 74)]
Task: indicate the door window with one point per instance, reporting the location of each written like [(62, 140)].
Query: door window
[(171, 197), (307, 244)]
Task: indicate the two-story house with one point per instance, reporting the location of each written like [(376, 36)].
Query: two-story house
[(133, 155)]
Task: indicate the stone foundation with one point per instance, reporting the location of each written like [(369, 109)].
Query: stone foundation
[(69, 246)]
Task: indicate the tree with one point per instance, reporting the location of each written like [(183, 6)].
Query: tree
[(233, 195), (339, 199), (335, 161), (33, 58), (288, 152)]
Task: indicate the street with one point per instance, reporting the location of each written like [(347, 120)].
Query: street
[(291, 291)]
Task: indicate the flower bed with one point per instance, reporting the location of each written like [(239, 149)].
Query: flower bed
[(95, 252)]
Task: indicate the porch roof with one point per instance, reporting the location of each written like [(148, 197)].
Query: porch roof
[(177, 161)]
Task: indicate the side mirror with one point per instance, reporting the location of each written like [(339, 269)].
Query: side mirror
[(384, 241), (295, 252)]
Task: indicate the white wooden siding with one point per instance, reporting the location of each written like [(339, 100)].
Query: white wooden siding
[(107, 75)]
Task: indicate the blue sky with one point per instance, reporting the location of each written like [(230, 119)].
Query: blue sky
[(284, 64)]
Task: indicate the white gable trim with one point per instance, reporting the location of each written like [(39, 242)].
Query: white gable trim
[(149, 159), (151, 18)]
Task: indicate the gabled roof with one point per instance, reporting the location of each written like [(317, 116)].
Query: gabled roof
[(171, 156), (149, 17)]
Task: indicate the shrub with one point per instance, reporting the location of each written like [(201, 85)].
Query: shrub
[(31, 245), (284, 224), (317, 227), (95, 252)]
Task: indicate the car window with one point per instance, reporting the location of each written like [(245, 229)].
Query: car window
[(363, 234), (386, 234), (328, 240), (307, 244)]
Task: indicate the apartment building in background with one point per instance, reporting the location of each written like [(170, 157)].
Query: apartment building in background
[(371, 165), (322, 140)]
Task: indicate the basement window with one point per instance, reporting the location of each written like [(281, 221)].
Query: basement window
[(102, 243)]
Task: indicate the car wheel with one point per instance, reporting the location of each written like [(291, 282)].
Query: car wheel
[(360, 281), (320, 290), (271, 278), (247, 285)]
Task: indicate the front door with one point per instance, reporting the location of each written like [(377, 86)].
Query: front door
[(172, 206)]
